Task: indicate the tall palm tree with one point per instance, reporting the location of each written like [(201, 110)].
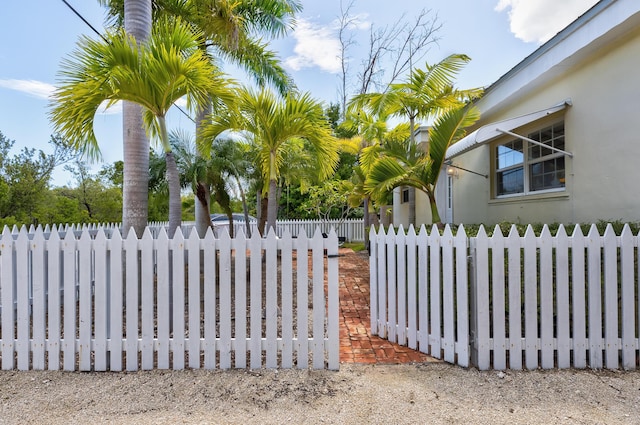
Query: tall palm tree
[(154, 75), (407, 164), (135, 143), (273, 126), (426, 94)]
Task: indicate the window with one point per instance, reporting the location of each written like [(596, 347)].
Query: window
[(405, 195), (523, 167)]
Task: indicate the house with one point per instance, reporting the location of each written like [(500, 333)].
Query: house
[(557, 140)]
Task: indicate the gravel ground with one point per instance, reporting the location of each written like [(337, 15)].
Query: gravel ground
[(434, 393)]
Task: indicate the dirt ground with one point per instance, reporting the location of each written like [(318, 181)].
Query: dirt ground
[(434, 393)]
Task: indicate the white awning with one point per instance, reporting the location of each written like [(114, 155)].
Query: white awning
[(491, 131)]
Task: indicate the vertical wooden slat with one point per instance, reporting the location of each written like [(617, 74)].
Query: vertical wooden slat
[(101, 301), (38, 346), (530, 299), (462, 297), (193, 247), (611, 297), (515, 298), (131, 300), (496, 243), (333, 333), (594, 298), (271, 288), (85, 300), (53, 310), (115, 245), (7, 296), (69, 284), (240, 246), (448, 300), (578, 319), (23, 284), (481, 301), (546, 299), (210, 300), (423, 291), (255, 247), (178, 330), (319, 306), (382, 282), (373, 281), (302, 299), (163, 299), (628, 296), (412, 288), (287, 299), (392, 323), (401, 285), (148, 290), (563, 318), (435, 286)]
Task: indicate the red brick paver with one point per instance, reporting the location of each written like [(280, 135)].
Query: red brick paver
[(357, 345)]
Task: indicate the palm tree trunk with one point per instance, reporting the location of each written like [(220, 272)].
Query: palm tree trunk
[(412, 190), (173, 180), (272, 205), (366, 222), (202, 206), (135, 187), (435, 215)]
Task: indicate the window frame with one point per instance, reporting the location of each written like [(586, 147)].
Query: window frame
[(527, 161)]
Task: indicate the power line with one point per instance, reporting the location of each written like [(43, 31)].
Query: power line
[(107, 41)]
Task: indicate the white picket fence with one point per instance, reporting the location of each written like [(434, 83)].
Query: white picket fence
[(509, 302), (86, 301)]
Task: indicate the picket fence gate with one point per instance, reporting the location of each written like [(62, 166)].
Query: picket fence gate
[(509, 302), (93, 302)]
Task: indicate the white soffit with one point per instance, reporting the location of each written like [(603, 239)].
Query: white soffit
[(495, 129)]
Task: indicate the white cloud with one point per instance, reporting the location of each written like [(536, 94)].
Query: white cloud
[(31, 87), (539, 20), (319, 46)]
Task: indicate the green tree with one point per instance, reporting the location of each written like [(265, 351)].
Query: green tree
[(274, 127), (406, 164), (154, 75), (426, 94)]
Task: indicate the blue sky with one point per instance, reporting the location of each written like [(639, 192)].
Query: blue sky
[(496, 34)]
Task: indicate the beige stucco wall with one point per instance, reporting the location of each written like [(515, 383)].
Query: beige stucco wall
[(600, 130)]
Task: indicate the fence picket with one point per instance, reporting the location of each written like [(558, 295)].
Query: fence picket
[(462, 297), (302, 299), (101, 316), (435, 286), (530, 299), (412, 288), (287, 300), (610, 297), (225, 301), (319, 306), (39, 299), (373, 282), (131, 300), (448, 303), (381, 324), (401, 285), (481, 301), (546, 299), (498, 299), (578, 298), (116, 302), (271, 308), (85, 300), (594, 277), (194, 288), (628, 296), (333, 332), (69, 314), (147, 303), (391, 323), (515, 298), (255, 246), (240, 247), (423, 290), (563, 319), (23, 320), (163, 299), (53, 302), (209, 283)]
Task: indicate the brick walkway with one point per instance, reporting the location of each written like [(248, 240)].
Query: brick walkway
[(357, 345)]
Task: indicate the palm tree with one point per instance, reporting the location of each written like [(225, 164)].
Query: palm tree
[(406, 164), (274, 126), (426, 94), (154, 75), (232, 31), (135, 144)]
